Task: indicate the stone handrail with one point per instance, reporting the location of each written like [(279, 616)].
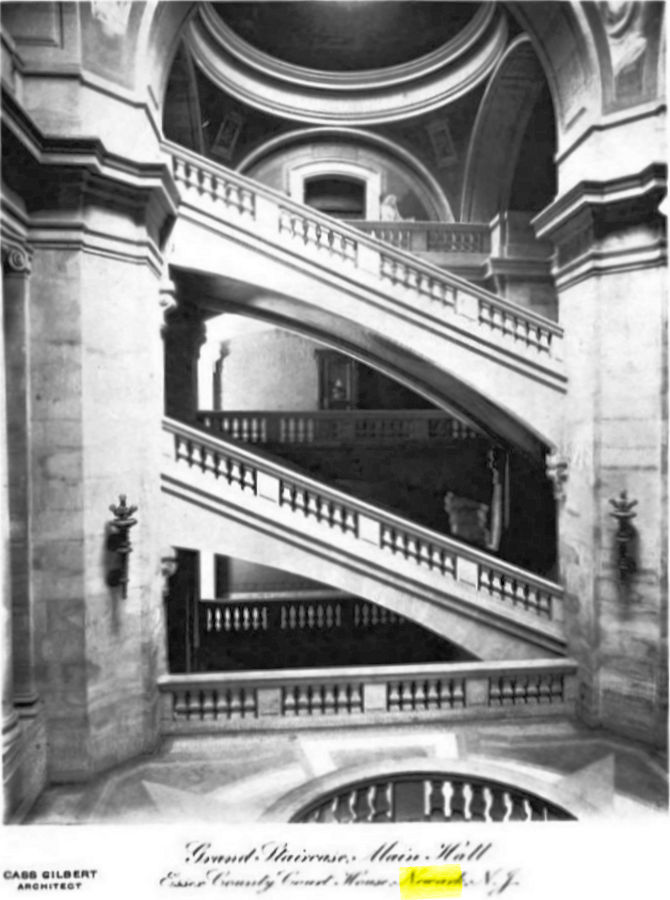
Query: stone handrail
[(334, 427), (426, 237), (491, 579), (300, 697), (221, 192)]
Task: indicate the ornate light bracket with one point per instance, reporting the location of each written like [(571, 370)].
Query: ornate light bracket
[(557, 473), (119, 542), (625, 535)]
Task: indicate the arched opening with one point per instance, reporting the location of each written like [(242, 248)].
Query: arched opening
[(343, 198)]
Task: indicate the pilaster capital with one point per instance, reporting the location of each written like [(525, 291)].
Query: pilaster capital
[(16, 259), (167, 298)]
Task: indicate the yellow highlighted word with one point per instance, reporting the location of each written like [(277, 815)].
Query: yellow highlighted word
[(419, 882)]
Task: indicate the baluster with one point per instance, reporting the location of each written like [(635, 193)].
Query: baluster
[(227, 619), (180, 705), (393, 696), (235, 702), (433, 699), (318, 698), (329, 706), (518, 811), (361, 807), (342, 809), (498, 807), (288, 704), (304, 699), (537, 810), (457, 801), (208, 707), (478, 803), (434, 801), (246, 618), (313, 506), (532, 689), (556, 688), (495, 691), (380, 801), (457, 693), (179, 169), (338, 615), (193, 704), (319, 616), (508, 690)]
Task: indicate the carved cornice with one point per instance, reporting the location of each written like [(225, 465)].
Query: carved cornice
[(581, 221), (64, 176), (358, 98)]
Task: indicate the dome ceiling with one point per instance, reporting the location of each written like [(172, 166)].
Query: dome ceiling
[(470, 40), (345, 37)]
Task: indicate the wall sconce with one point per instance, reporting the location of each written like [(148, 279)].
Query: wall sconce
[(119, 542), (625, 534)]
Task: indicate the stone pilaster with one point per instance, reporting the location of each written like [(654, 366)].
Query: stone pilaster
[(10, 722), (16, 280), (97, 225), (610, 273)]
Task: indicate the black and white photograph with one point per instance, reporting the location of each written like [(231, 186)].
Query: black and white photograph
[(334, 458)]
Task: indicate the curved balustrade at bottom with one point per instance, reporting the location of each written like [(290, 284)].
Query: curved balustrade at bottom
[(492, 609), (430, 797)]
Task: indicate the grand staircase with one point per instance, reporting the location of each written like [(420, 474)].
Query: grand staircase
[(239, 244), (223, 497)]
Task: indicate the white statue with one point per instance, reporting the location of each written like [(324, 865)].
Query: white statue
[(388, 210)]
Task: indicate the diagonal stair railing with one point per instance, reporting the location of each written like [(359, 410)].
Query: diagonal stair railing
[(211, 190), (480, 582)]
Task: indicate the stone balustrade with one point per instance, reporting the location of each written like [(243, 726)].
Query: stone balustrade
[(426, 237), (430, 797), (211, 191), (491, 582), (299, 698), (334, 427)]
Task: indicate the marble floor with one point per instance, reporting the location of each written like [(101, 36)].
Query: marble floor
[(235, 778)]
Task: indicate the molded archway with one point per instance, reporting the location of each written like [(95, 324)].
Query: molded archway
[(350, 142), (499, 128)]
